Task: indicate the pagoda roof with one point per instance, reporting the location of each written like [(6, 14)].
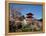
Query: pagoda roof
[(29, 14)]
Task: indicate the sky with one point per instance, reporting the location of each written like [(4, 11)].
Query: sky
[(27, 8)]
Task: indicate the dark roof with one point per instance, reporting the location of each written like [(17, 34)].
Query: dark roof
[(29, 14)]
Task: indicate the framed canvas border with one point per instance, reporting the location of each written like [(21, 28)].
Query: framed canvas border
[(7, 17)]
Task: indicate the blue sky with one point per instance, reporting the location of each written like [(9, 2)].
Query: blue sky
[(26, 8)]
